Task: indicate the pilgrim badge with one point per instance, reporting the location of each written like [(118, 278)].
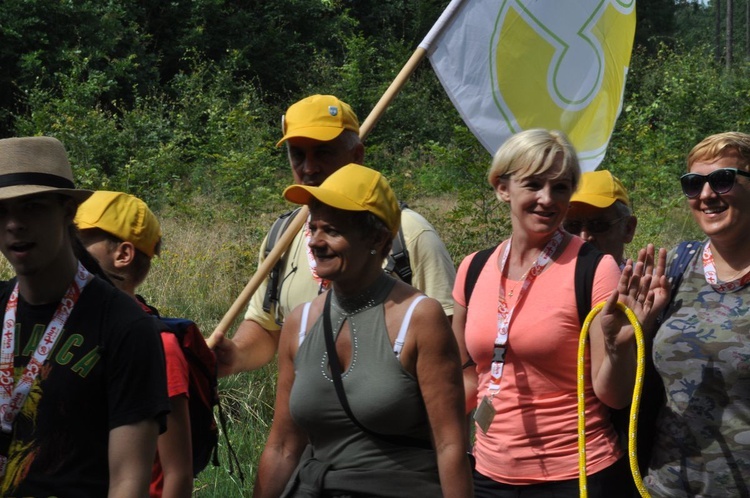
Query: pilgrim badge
[(484, 414)]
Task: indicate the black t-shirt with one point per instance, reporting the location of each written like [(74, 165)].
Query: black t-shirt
[(106, 370)]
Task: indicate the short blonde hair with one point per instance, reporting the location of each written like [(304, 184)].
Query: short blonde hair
[(533, 152), (721, 144)]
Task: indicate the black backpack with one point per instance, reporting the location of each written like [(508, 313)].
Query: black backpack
[(398, 259)]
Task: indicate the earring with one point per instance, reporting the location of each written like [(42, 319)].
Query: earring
[(373, 252)]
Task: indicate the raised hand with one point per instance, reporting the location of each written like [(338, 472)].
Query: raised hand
[(643, 288)]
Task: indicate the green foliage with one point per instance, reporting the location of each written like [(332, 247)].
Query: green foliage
[(214, 138), (248, 402), (673, 100)]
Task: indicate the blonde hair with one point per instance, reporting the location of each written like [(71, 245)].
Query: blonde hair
[(534, 152), (721, 144)]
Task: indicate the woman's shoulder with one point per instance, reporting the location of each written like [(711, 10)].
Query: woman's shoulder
[(482, 255), (405, 299)]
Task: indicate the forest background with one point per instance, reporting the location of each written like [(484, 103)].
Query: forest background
[(180, 102)]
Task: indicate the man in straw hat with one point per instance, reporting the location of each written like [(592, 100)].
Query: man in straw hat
[(84, 389), (321, 133)]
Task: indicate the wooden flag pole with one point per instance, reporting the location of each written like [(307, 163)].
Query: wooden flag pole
[(296, 224)]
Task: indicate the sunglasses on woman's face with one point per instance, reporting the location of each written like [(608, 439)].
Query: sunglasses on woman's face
[(721, 181)]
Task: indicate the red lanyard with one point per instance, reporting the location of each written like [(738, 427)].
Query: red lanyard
[(505, 314), (709, 270), (13, 397)]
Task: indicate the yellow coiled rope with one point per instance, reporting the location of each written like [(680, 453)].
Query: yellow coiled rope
[(633, 426)]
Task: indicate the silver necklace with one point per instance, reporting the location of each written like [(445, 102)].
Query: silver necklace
[(371, 296)]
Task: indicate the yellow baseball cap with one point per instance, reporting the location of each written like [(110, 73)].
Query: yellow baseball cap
[(320, 117), (125, 216), (353, 188), (600, 189)]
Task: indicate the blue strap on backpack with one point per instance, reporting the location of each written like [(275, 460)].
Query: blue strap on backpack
[(684, 254)]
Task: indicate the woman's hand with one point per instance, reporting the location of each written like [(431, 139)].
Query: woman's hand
[(644, 289)]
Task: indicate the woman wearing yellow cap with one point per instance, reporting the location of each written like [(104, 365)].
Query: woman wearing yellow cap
[(369, 371)]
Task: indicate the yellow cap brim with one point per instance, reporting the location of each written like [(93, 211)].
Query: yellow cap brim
[(319, 133)]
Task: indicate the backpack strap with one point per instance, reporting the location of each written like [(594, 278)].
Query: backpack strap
[(398, 259), (399, 343), (277, 230), (586, 264), (475, 268), (684, 254), (476, 265)]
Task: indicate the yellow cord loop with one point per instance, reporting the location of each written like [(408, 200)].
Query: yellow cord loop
[(633, 426)]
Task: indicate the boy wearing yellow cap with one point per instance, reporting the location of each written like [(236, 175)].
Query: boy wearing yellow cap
[(321, 133), (600, 213), (84, 393), (123, 234)]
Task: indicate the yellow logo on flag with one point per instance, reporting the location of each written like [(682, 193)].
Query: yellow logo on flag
[(562, 69)]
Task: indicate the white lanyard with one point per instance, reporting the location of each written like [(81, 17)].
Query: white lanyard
[(13, 397), (504, 314), (709, 270)]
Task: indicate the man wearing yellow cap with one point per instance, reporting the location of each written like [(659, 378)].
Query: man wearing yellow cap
[(123, 234), (600, 213), (322, 135)]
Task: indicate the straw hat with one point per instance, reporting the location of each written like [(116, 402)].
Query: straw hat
[(35, 165)]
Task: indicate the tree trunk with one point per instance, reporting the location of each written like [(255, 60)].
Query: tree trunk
[(730, 32), (747, 30), (717, 31)]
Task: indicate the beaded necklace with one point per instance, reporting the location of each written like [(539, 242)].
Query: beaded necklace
[(371, 296)]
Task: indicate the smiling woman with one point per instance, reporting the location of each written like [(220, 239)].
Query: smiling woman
[(369, 372), (701, 348), (519, 335)]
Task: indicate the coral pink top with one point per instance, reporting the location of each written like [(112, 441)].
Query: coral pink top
[(533, 436)]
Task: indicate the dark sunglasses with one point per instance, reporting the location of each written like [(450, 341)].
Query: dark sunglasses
[(721, 181), (592, 226)]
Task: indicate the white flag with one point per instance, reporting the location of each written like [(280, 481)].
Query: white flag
[(511, 65)]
